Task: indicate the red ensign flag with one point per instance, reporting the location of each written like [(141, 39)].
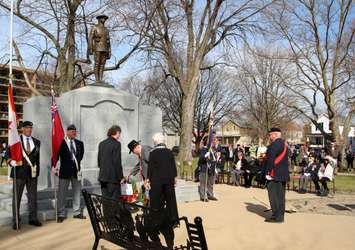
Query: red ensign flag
[(57, 131)]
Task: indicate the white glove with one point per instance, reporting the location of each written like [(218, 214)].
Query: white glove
[(207, 155), (13, 163), (268, 177), (55, 170)]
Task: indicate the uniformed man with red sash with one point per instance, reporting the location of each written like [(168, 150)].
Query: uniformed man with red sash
[(277, 174)]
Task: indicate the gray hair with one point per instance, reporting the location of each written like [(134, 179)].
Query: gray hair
[(158, 138)]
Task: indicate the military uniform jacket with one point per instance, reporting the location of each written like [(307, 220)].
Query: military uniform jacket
[(109, 161), (202, 160), (100, 39), (24, 171), (279, 172), (68, 167), (144, 160)]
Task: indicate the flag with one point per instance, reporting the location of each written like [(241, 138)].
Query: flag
[(14, 141), (57, 131), (210, 131)]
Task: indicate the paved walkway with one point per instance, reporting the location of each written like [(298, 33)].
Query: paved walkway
[(236, 221)]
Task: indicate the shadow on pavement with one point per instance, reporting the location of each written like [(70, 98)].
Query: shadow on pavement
[(257, 209)]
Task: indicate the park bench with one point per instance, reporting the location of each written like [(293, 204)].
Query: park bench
[(297, 179), (122, 224), (223, 177)]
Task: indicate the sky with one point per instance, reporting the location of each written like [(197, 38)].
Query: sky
[(132, 66)]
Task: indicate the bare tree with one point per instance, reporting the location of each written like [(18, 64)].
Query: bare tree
[(215, 86), (181, 35), (58, 32), (265, 100), (320, 36)]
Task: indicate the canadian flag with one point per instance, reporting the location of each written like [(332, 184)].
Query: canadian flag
[(13, 137)]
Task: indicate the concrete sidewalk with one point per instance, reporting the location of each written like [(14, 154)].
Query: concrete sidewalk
[(236, 221)]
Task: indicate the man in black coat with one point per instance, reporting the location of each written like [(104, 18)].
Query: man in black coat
[(26, 175), (161, 181), (109, 162), (71, 152), (277, 174)]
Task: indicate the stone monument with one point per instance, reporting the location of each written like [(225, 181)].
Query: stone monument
[(93, 110)]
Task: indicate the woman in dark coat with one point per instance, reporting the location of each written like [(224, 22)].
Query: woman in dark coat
[(161, 181)]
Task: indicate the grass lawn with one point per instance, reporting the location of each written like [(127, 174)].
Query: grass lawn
[(345, 183), (342, 183), (3, 170)]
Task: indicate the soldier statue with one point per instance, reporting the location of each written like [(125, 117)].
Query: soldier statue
[(99, 46)]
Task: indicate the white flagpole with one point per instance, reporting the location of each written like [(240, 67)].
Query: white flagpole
[(10, 76), (11, 22), (10, 64)]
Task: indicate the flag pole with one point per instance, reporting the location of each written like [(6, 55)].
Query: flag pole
[(210, 127), (10, 79), (54, 172)]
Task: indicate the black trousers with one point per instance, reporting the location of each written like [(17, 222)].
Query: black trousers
[(31, 187), (277, 191), (350, 162), (324, 181), (162, 199), (316, 183), (248, 177), (111, 190), (109, 207)]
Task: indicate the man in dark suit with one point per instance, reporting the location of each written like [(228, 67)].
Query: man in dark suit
[(109, 162), (276, 174), (26, 175), (71, 153), (161, 181)]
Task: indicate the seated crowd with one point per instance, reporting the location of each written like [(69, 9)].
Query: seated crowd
[(244, 166)]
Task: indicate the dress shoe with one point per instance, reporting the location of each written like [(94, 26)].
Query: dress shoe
[(35, 223), (204, 200), (60, 219), (212, 198), (79, 216), (274, 220), (324, 194), (302, 191)]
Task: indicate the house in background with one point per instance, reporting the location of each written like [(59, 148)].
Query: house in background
[(315, 138), (294, 133), (230, 132)]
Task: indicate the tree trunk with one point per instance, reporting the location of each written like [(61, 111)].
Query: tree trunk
[(187, 121), (62, 66), (71, 50)]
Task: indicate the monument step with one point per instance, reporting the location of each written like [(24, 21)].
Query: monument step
[(47, 204), (6, 189), (44, 215)]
